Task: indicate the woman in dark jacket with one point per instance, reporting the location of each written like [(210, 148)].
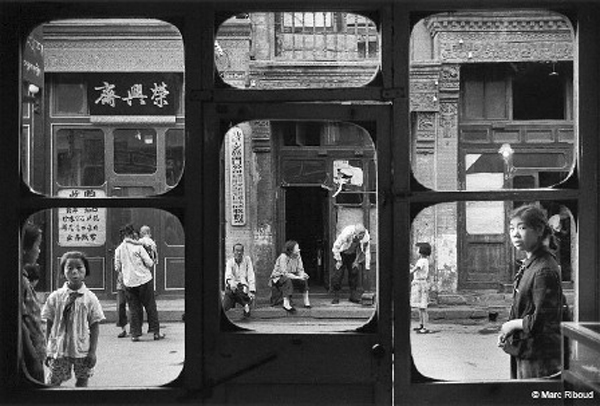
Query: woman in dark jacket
[(532, 334)]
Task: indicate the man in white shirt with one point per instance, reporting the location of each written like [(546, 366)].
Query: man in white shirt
[(132, 259), (240, 285), (351, 250)]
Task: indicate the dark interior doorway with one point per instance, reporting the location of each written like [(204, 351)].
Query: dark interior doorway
[(306, 221)]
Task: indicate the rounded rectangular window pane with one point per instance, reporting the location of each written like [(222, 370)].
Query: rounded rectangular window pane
[(462, 292), (297, 49), (80, 157), (282, 196), (488, 83), (100, 234), (70, 99), (174, 155), (135, 151), (103, 105)]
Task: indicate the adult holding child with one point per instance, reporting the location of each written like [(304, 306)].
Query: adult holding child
[(132, 259)]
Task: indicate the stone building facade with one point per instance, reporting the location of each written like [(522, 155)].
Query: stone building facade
[(449, 54), (455, 59)]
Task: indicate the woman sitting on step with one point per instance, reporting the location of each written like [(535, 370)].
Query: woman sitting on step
[(287, 275)]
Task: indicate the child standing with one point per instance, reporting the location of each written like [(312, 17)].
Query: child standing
[(72, 314), (419, 291)]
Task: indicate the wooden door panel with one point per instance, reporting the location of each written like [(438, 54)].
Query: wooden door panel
[(485, 265)]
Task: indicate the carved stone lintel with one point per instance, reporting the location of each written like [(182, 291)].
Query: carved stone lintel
[(498, 21)]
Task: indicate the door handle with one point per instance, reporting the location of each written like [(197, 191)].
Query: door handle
[(378, 351)]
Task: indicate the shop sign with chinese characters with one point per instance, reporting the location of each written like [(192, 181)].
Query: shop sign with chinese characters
[(146, 94), (33, 58), (237, 184), (81, 226)]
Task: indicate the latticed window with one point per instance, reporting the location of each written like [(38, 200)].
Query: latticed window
[(325, 36)]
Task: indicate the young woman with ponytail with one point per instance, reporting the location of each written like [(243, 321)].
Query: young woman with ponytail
[(532, 334)]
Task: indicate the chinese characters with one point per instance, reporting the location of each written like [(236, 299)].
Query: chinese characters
[(81, 226), (236, 177), (108, 95)]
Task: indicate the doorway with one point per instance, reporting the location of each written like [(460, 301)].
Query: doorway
[(306, 221)]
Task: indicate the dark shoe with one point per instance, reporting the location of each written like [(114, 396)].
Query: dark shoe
[(422, 330), (290, 310), (307, 306), (158, 336), (354, 300), (135, 338), (335, 300), (122, 334), (246, 314), (418, 328)]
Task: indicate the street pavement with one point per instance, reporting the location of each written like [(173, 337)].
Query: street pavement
[(465, 350), (452, 351), (461, 345), (123, 363)]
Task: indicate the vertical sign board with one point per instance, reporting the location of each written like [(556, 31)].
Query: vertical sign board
[(81, 226), (33, 58), (237, 184)]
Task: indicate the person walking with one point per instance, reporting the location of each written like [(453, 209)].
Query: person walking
[(351, 251), (135, 264), (532, 334)]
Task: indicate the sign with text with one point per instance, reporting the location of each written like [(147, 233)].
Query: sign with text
[(81, 226), (33, 58), (237, 175), (147, 94)]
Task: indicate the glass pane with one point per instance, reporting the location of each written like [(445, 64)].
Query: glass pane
[(304, 171), (135, 151), (318, 133), (70, 99), (80, 157), (174, 156), (486, 83), (583, 359), (315, 49), (311, 198), (98, 234), (484, 172), (462, 292), (103, 105)]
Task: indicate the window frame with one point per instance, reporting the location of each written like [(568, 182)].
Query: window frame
[(406, 195)]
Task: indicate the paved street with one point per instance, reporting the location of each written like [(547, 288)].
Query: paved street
[(123, 363), (452, 351), (455, 351)]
